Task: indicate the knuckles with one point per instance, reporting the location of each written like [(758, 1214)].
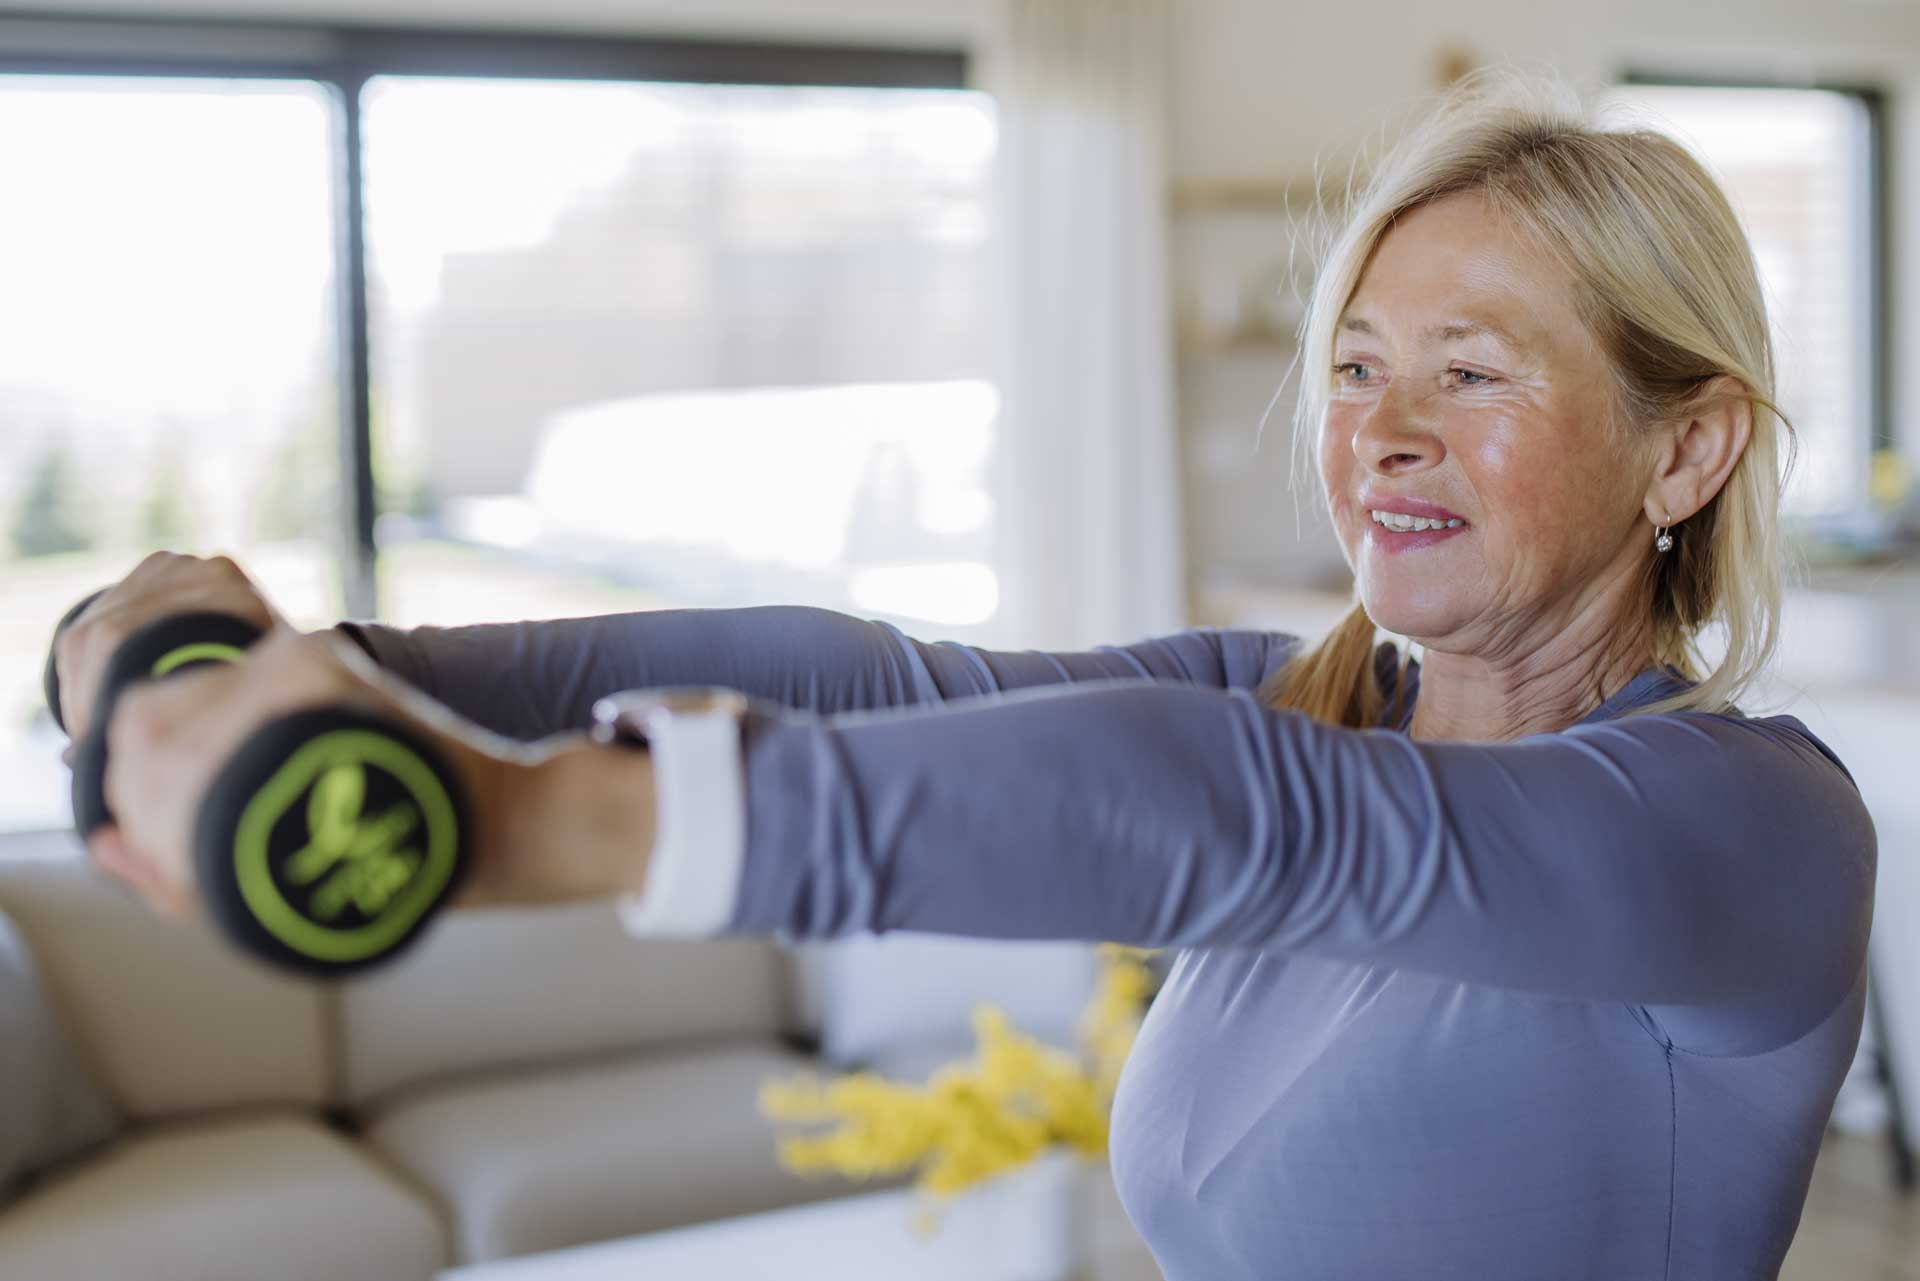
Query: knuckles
[(162, 582), (142, 721), (284, 672), (303, 666)]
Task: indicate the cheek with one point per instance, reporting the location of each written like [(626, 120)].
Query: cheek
[(1551, 488), (1335, 463)]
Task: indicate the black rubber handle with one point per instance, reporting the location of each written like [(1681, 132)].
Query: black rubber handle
[(330, 839), (158, 650)]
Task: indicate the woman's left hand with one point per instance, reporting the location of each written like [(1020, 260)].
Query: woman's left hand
[(555, 820)]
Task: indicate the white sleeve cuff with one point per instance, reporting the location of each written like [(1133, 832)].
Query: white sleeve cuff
[(700, 830)]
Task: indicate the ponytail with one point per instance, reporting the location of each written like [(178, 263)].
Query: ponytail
[(1338, 680)]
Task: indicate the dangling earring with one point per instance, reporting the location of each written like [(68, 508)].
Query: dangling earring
[(1662, 540)]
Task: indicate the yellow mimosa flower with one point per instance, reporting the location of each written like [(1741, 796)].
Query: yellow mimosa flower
[(1014, 1100)]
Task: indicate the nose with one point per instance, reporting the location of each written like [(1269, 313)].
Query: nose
[(1393, 439)]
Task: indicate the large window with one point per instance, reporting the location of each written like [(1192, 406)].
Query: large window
[(1800, 167), (448, 329), (704, 344), (167, 359)]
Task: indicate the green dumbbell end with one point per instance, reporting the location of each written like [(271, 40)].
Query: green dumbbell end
[(330, 838)]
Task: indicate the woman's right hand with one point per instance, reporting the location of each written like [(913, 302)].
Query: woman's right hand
[(162, 584)]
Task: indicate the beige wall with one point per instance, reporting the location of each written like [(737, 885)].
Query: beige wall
[(1262, 90)]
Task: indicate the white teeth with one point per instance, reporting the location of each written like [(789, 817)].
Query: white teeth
[(1405, 523)]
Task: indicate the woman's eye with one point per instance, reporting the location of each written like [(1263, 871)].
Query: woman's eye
[(1352, 371)]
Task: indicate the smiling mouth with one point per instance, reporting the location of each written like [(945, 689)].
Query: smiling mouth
[(1401, 523)]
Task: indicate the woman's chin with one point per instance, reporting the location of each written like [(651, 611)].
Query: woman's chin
[(1414, 615)]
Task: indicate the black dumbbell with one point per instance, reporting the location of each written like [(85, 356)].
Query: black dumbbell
[(50, 678), (326, 842)]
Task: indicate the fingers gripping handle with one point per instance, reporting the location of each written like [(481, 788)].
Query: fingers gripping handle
[(163, 647)]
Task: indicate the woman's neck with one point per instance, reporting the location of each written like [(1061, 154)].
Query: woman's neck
[(1535, 690)]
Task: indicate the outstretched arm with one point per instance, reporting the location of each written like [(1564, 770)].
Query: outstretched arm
[(1681, 859), (530, 679)]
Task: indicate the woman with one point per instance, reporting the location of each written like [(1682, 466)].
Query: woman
[(1533, 959)]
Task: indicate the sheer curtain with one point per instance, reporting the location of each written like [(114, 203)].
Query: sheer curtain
[(1088, 490), (1089, 484)]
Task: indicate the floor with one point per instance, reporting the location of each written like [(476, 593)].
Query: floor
[(1855, 1227)]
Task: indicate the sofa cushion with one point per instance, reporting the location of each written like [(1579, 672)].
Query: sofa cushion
[(229, 1200), (50, 1106), (512, 987), (171, 1017), (538, 1161)]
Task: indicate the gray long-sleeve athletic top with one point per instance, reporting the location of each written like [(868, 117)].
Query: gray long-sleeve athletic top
[(1575, 1005)]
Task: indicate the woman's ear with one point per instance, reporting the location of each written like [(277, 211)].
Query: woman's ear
[(1697, 452)]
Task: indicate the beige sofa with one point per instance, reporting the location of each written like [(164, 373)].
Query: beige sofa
[(522, 1081)]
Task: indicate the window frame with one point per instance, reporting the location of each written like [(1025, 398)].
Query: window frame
[(1879, 247), (344, 57)]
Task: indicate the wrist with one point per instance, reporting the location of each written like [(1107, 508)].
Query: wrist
[(568, 820)]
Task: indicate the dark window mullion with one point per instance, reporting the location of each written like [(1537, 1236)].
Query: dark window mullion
[(359, 504), (1881, 268)]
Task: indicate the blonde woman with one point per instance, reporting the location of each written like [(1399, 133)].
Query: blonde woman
[(1536, 958)]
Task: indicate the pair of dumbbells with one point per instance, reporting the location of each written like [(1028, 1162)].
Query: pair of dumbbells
[(325, 843)]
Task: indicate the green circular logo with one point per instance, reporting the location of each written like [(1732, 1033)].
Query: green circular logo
[(347, 846)]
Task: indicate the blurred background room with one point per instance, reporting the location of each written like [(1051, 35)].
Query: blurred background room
[(975, 316)]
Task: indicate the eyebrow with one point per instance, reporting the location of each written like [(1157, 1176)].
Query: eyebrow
[(1446, 331)]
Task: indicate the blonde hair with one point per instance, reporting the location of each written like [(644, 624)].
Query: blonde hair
[(1665, 279)]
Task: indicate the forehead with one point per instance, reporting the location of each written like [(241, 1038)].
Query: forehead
[(1456, 268)]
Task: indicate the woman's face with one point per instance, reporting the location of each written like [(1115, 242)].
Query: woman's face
[(1465, 385)]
